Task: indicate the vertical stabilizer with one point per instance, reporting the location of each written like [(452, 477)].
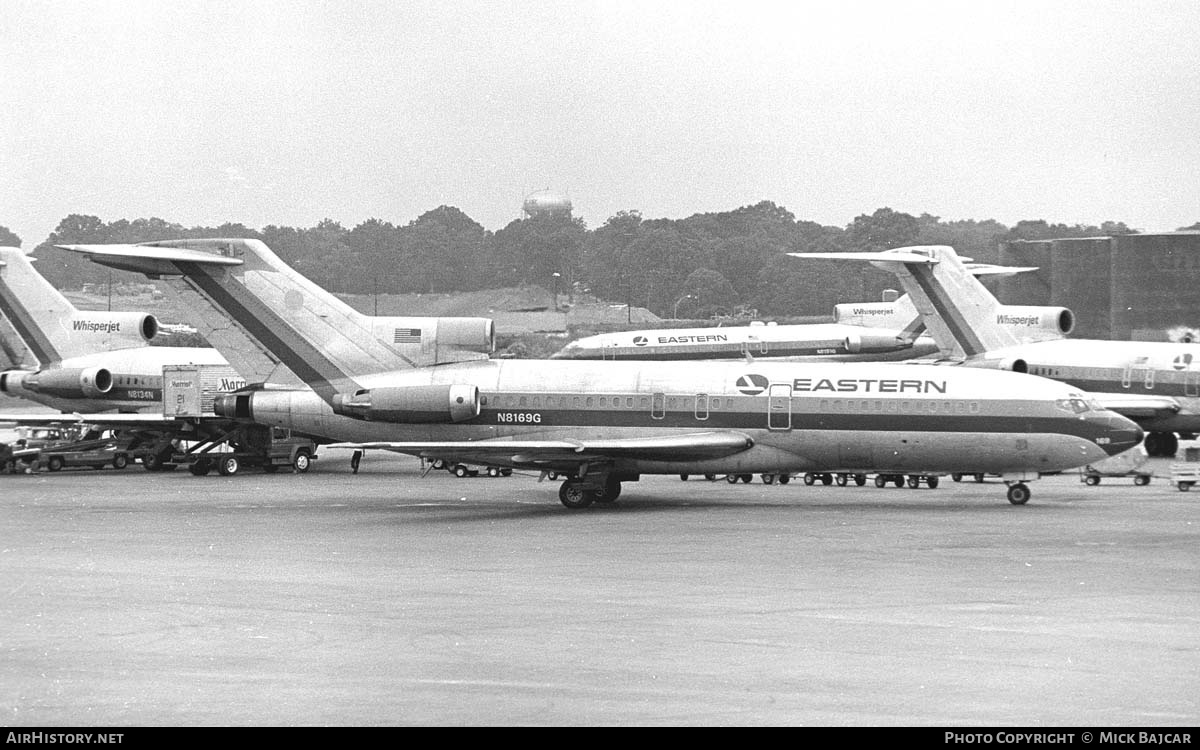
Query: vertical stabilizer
[(274, 324), (957, 309)]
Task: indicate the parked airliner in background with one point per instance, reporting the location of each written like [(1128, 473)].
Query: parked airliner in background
[(1157, 384), (81, 360), (606, 423), (828, 342), (866, 332)]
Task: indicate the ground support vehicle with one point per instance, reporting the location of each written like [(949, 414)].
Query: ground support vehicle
[(248, 445), (1091, 477), (1131, 463), (1184, 475), (462, 471)]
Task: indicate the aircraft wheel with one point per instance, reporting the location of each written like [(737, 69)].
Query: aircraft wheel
[(785, 478), (506, 472), (914, 481), (1185, 486), (683, 477), (979, 478), (826, 479), (860, 479), (956, 477), (809, 478), (768, 479), (492, 471), (898, 480), (1091, 481), (710, 477), (880, 481), (610, 493), (572, 495), (731, 478), (841, 480), (932, 482), (1141, 480), (120, 461), (302, 462), (227, 466), (1019, 494), (747, 478)]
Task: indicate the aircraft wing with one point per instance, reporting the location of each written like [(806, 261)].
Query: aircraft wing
[(1138, 407), (102, 419), (687, 447)]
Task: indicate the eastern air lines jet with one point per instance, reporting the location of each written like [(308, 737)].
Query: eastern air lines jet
[(605, 423), (1157, 384)]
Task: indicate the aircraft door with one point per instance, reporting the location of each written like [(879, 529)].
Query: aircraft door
[(779, 407), (658, 406), (1191, 382)]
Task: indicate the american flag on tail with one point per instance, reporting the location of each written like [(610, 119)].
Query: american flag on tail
[(407, 336)]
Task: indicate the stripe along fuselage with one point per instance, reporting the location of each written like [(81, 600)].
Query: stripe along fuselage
[(860, 417)]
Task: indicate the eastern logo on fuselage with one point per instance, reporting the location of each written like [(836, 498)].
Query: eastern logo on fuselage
[(640, 341), (752, 385), (1182, 362)]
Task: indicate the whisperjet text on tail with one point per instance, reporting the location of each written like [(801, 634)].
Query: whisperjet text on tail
[(1157, 384), (78, 360), (605, 423)]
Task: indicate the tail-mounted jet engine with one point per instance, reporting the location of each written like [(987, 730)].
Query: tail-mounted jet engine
[(135, 328), (870, 342), (419, 404), (73, 382)]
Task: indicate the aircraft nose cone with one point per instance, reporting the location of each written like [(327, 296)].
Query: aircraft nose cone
[(1122, 435)]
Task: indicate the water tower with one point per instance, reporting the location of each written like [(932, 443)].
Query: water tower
[(546, 203)]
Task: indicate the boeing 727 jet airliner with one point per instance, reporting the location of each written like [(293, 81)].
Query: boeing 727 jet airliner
[(605, 423), (1157, 384)]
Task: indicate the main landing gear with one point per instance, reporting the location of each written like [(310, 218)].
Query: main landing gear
[(1019, 493), (579, 493)]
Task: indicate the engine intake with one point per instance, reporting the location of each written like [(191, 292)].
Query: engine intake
[(418, 404), (87, 382)]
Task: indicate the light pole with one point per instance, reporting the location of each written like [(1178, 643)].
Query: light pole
[(675, 315), (556, 275)]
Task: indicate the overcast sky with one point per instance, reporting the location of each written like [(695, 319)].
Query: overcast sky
[(289, 112)]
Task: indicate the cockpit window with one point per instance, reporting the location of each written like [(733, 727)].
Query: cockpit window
[(1077, 404)]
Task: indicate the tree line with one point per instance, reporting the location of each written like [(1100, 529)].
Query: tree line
[(703, 265)]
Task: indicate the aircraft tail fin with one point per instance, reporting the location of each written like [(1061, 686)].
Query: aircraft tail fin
[(285, 328), (50, 328), (957, 309)]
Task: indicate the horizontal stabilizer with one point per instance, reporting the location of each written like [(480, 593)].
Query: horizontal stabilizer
[(888, 256), (148, 259)]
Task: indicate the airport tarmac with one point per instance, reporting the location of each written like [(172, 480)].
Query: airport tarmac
[(385, 598)]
